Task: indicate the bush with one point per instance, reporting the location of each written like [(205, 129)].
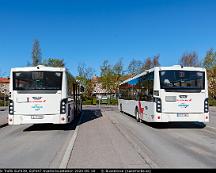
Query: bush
[(114, 101), (2, 103), (212, 102), (87, 102), (94, 101)]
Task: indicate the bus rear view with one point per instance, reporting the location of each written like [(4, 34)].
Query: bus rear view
[(39, 95), (183, 95), (166, 94)]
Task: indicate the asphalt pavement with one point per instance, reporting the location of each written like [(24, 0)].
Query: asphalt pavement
[(110, 139), (34, 146), (107, 138)]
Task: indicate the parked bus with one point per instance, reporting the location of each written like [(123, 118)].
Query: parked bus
[(166, 94), (42, 95)]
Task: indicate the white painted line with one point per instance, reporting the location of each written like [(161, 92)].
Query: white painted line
[(70, 146)]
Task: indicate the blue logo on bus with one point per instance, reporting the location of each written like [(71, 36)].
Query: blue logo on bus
[(37, 107), (183, 105)]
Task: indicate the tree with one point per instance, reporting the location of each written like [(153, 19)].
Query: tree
[(107, 77), (118, 68), (118, 73), (189, 59), (210, 59), (148, 64), (151, 62), (135, 66), (36, 53), (209, 63), (84, 76), (54, 62), (155, 61)]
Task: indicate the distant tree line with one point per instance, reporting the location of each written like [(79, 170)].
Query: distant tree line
[(112, 74)]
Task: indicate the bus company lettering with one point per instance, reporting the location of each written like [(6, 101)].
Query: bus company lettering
[(183, 100), (183, 103), (36, 100)]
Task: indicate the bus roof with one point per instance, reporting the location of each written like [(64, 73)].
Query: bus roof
[(38, 68), (174, 67)]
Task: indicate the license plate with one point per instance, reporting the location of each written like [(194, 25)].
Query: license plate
[(182, 115), (37, 117)]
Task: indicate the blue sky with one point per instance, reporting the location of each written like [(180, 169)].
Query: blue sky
[(91, 31)]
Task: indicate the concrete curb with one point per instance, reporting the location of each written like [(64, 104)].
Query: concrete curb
[(70, 146)]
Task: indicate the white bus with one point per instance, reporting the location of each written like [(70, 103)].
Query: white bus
[(166, 94), (42, 95)]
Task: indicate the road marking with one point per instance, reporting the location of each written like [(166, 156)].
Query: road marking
[(70, 146)]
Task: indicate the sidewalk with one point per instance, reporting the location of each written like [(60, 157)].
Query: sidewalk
[(100, 145), (3, 116)]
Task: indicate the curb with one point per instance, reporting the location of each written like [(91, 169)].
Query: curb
[(67, 154)]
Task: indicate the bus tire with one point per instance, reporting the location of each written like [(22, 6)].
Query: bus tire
[(121, 108), (137, 114)]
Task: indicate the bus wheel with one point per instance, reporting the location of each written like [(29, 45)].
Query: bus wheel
[(137, 115), (120, 107)]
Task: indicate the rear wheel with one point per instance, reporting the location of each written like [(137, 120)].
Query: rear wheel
[(137, 115), (120, 107)]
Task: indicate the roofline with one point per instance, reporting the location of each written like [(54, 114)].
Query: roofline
[(174, 67), (38, 68)]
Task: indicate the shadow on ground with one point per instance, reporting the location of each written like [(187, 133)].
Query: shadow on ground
[(177, 125), (90, 115), (48, 127), (87, 115)]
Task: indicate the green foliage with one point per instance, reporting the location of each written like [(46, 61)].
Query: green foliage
[(212, 102), (4, 103), (107, 77), (114, 101), (84, 76), (94, 101), (87, 102), (54, 62), (36, 53), (210, 59), (1, 103), (209, 62)]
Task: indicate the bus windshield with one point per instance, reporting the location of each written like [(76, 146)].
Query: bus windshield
[(176, 80), (37, 80)]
